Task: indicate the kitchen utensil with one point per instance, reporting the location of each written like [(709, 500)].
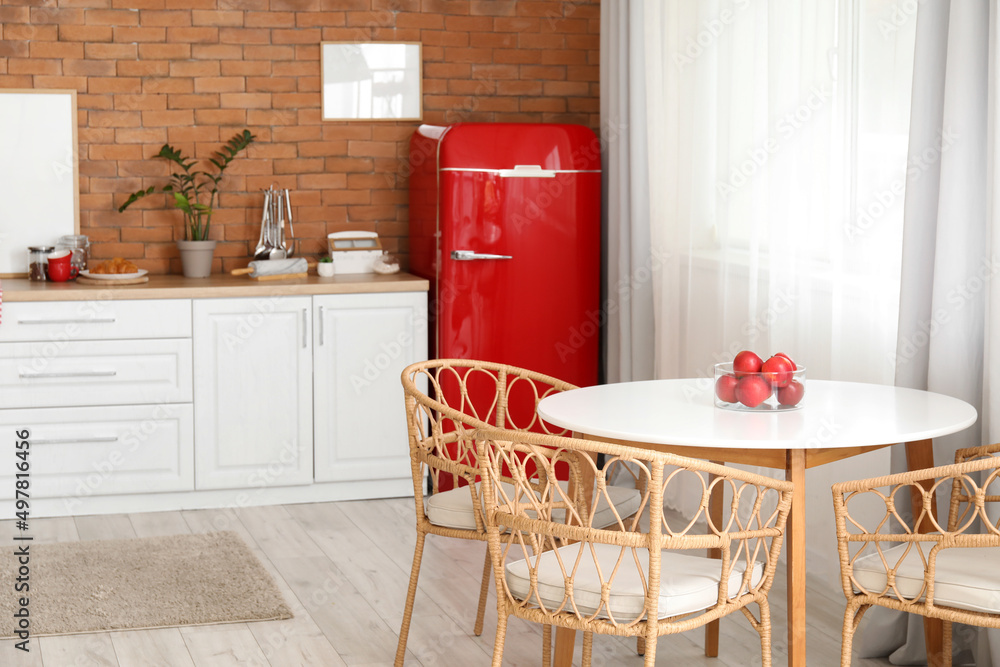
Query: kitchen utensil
[(59, 265), (293, 242), (272, 243), (276, 269), (79, 245), (263, 249), (278, 225)]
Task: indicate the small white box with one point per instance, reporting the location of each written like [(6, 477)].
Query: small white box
[(354, 252)]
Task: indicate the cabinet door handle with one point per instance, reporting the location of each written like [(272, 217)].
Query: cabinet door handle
[(102, 320), (67, 374), (321, 328), (62, 441), (305, 328)]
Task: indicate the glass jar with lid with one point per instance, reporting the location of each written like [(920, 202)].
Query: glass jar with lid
[(80, 247), (38, 261)]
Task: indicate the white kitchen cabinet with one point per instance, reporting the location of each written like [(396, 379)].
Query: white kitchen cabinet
[(96, 372), (186, 394), (104, 388), (252, 392), (362, 344), (77, 453), (57, 322)]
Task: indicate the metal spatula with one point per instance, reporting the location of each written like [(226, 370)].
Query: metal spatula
[(292, 241), (264, 247)]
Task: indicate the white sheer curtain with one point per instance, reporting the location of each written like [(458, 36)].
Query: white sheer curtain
[(628, 303), (779, 156), (948, 329), (777, 136)]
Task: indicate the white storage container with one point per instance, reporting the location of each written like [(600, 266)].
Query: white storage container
[(354, 252)]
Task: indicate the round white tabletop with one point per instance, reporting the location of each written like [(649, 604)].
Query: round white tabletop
[(682, 412)]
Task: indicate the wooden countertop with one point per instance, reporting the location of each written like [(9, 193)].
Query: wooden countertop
[(215, 286)]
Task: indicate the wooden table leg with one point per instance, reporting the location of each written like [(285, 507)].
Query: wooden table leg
[(565, 637), (934, 642), (715, 503), (795, 472), (564, 647), (919, 455)]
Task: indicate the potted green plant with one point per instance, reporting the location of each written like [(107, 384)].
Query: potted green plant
[(325, 266), (190, 187)]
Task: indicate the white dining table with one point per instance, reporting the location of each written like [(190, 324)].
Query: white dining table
[(836, 420)]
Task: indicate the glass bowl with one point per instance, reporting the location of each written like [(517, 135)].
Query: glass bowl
[(784, 391)]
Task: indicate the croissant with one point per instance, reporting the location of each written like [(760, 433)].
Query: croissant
[(116, 265)]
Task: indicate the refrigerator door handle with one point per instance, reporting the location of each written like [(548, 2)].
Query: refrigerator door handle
[(467, 255)]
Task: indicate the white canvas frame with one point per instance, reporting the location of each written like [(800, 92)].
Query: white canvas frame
[(372, 81), (39, 172)]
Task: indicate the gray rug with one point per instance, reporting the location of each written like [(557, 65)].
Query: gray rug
[(134, 584)]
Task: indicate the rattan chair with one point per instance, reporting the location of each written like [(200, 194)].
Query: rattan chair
[(951, 573), (647, 576), (446, 399)]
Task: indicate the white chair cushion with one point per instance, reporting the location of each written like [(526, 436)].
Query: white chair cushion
[(453, 509), (966, 578), (687, 583)]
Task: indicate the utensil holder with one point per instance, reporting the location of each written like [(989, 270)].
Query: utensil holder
[(273, 244)]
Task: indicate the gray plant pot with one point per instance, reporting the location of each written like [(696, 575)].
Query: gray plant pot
[(196, 258)]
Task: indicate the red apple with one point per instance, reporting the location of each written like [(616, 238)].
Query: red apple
[(791, 394), (746, 362), (725, 388), (782, 354), (778, 371), (752, 390)]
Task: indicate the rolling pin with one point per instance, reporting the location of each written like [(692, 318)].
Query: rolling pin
[(276, 269)]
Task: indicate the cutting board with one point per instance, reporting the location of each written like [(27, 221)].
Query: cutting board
[(281, 276), (84, 280)]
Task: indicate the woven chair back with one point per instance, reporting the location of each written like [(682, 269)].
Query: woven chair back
[(609, 580), (965, 499), (889, 535), (446, 398)]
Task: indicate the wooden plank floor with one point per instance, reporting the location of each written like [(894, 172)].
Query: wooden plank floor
[(343, 568)]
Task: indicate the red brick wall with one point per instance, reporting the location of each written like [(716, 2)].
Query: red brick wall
[(194, 72)]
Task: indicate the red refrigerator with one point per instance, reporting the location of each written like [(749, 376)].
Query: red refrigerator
[(505, 223)]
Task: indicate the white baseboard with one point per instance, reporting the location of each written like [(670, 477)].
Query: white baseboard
[(222, 498)]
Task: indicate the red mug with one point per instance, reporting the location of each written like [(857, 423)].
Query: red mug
[(59, 266)]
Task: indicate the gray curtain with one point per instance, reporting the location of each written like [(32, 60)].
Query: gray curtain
[(628, 264), (947, 265)]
